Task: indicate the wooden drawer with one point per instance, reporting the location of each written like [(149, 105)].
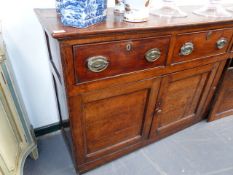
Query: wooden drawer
[(119, 57), (205, 43)]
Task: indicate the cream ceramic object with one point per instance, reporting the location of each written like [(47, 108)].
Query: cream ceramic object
[(119, 6), (136, 11)]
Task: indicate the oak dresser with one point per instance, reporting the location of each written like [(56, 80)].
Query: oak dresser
[(122, 85)]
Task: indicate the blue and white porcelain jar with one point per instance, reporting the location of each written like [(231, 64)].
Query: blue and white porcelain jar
[(58, 6), (82, 13)]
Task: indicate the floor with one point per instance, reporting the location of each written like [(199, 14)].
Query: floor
[(203, 149)]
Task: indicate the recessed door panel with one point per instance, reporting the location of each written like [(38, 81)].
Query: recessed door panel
[(113, 118), (181, 99)]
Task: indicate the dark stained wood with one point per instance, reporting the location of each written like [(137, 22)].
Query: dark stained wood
[(138, 75), (219, 67), (230, 49), (181, 98), (120, 59), (113, 118), (133, 102), (115, 24), (205, 44), (223, 103)]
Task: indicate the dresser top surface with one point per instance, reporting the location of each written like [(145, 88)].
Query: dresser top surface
[(115, 24)]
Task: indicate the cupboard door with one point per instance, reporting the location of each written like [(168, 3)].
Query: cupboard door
[(108, 120), (223, 103), (181, 100)]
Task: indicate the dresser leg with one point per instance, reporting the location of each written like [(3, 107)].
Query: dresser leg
[(34, 154)]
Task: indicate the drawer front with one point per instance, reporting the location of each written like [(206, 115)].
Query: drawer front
[(102, 60), (197, 45)]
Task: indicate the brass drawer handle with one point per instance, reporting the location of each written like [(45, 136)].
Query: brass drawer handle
[(221, 43), (187, 49), (152, 55), (97, 63)]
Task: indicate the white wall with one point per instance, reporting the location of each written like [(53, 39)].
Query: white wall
[(27, 50)]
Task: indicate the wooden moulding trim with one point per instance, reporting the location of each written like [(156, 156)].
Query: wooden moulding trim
[(224, 114), (127, 35), (74, 35)]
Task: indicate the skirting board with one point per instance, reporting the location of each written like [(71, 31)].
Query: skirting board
[(50, 128)]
